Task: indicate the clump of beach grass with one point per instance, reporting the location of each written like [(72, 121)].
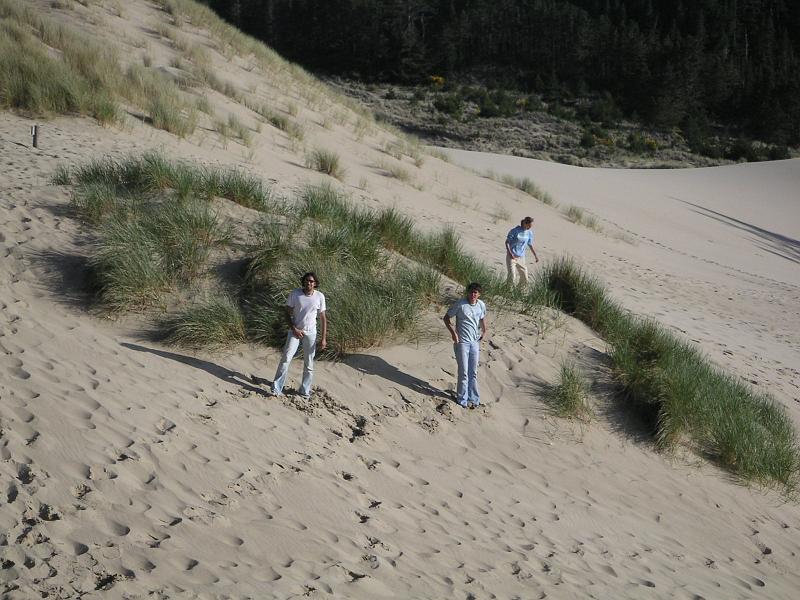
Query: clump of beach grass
[(569, 397), (152, 172), (440, 154), (578, 215), (83, 80), (161, 99), (325, 161), (292, 129), (145, 251), (212, 323), (677, 392), (395, 170), (526, 185)]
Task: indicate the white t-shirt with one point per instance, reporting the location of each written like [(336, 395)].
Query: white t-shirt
[(305, 309)]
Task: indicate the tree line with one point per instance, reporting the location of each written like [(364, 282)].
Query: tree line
[(669, 62)]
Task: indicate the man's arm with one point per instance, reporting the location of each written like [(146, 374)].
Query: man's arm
[(323, 319), (483, 328), (295, 331), (508, 247), (449, 326), (536, 256)]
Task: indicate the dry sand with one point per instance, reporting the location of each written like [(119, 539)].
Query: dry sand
[(129, 469)]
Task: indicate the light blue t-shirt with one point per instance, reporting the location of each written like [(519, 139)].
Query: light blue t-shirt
[(518, 238), (468, 317)]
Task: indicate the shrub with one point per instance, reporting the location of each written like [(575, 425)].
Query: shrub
[(587, 139), (604, 110), (239, 129), (152, 172), (779, 152), (450, 104), (62, 176), (373, 299), (742, 149), (640, 144)]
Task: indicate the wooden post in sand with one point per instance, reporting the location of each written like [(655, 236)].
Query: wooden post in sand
[(35, 135)]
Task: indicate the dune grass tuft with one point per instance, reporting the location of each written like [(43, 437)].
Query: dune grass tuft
[(569, 397), (527, 185), (578, 215), (213, 323), (33, 81), (325, 161), (395, 170), (152, 172), (145, 250)]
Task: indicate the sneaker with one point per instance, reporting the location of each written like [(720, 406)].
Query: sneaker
[(474, 404), (463, 404)]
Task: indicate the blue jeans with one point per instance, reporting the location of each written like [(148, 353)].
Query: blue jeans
[(309, 343), (467, 355)]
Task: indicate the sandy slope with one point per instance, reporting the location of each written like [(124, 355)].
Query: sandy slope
[(712, 252), (133, 470)]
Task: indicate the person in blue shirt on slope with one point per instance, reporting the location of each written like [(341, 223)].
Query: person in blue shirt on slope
[(470, 329), (516, 240)]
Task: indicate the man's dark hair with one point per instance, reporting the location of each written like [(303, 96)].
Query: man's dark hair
[(474, 287), (313, 276), (526, 221)]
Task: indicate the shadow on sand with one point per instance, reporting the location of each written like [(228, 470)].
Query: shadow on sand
[(374, 365), (769, 241), (217, 371)]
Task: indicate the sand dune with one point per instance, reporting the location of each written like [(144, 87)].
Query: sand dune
[(131, 469), (712, 252)]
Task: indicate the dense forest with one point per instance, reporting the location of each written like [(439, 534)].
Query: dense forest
[(669, 62)]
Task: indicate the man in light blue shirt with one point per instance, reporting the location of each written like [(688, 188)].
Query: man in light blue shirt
[(516, 240), (470, 329)]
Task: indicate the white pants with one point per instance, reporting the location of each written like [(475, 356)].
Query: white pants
[(309, 343), (517, 269)]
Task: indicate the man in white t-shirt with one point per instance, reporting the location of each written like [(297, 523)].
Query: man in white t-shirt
[(302, 307)]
